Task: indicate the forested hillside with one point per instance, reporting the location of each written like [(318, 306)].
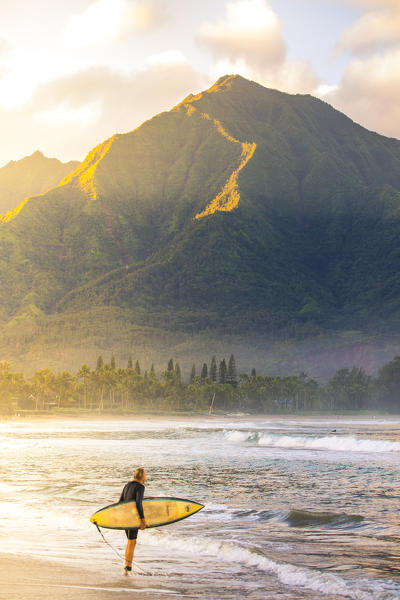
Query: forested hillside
[(31, 175), (242, 212)]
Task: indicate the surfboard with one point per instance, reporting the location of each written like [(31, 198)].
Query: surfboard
[(157, 512)]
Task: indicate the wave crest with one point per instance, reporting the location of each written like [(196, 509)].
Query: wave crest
[(330, 442), (302, 518)]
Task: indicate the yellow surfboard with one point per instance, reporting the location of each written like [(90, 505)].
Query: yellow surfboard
[(157, 512)]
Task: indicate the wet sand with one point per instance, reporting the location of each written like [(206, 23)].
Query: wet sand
[(22, 578)]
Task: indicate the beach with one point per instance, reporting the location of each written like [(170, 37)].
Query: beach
[(22, 577)]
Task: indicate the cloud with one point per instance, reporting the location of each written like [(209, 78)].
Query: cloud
[(69, 116), (250, 31), (373, 3), (157, 83), (249, 41), (108, 20), (370, 86), (369, 92), (372, 30)]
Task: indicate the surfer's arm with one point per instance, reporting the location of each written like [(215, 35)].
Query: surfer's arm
[(139, 501), (139, 506)]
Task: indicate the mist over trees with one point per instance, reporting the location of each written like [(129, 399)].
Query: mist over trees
[(111, 388)]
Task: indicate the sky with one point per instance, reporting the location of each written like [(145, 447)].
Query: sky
[(74, 73)]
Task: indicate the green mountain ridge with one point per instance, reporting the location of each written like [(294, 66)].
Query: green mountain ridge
[(242, 210), (34, 174)]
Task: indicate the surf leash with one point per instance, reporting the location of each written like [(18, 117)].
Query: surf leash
[(116, 551)]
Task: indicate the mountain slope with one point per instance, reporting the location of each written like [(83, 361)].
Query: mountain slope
[(243, 209), (31, 175), (315, 219)]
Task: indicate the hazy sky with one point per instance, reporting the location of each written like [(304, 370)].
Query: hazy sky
[(74, 72)]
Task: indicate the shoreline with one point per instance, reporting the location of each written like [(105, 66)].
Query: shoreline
[(22, 577), (184, 416)]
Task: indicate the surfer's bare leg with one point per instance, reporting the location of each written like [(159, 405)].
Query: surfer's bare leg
[(131, 534), (129, 552)]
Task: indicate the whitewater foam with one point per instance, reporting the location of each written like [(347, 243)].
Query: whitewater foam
[(237, 436), (288, 574), (332, 442)]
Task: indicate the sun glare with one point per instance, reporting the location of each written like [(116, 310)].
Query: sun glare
[(16, 87), (107, 20), (252, 14), (100, 21)]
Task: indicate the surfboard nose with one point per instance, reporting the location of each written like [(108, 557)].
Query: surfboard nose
[(193, 507)]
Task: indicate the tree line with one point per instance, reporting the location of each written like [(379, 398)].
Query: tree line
[(214, 386)]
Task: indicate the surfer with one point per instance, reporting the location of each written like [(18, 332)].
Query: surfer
[(134, 490)]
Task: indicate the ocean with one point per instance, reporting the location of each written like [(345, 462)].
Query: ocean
[(295, 508)]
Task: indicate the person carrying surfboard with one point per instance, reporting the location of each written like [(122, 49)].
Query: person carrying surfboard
[(134, 491)]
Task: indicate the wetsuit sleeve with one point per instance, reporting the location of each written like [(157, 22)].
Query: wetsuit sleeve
[(139, 500)]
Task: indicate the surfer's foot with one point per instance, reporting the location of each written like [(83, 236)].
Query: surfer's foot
[(128, 571)]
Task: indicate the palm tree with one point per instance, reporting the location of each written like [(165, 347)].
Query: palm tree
[(84, 374)]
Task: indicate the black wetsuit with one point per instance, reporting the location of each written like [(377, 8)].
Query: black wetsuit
[(133, 491)]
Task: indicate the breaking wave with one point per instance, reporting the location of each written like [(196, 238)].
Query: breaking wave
[(288, 574), (292, 518), (303, 518), (331, 442)]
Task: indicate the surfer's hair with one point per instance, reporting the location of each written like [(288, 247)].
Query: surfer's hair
[(139, 473)]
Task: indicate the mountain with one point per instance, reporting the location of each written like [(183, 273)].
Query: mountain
[(31, 175), (243, 212)]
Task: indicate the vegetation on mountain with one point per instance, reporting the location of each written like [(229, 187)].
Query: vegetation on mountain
[(241, 211), (31, 175)]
